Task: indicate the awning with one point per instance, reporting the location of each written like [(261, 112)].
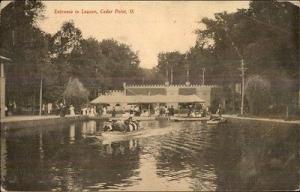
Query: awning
[(135, 99)]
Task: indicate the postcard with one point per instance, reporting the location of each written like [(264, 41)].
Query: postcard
[(150, 95)]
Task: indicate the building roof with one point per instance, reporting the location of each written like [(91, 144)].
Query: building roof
[(134, 99)]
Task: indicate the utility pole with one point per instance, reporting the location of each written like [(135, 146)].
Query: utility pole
[(203, 76), (187, 74), (242, 69), (167, 74), (41, 95), (171, 74)]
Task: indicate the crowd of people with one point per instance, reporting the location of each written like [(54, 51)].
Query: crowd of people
[(60, 108), (138, 110)]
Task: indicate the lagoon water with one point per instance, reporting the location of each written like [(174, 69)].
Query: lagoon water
[(192, 157)]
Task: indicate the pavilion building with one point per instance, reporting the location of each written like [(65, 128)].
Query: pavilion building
[(158, 95)]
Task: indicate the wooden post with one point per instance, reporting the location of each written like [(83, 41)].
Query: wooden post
[(41, 95), (2, 91), (242, 69), (171, 74), (287, 112), (203, 77), (167, 74)]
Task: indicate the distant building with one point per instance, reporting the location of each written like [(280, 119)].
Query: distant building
[(169, 95)]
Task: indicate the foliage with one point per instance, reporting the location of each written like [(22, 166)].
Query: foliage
[(75, 93), (266, 36), (172, 61), (257, 92), (27, 46), (98, 65)]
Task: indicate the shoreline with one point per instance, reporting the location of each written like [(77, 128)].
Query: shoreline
[(33, 121), (259, 119)]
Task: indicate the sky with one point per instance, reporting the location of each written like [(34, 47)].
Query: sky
[(153, 27)]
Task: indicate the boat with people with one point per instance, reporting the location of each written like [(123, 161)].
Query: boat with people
[(128, 129)]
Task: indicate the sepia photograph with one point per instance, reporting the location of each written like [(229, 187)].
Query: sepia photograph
[(150, 95)]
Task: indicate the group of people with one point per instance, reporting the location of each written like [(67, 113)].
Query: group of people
[(63, 110), (201, 111), (127, 125), (90, 111), (164, 111)]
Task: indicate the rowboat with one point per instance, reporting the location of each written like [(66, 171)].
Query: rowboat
[(189, 118), (216, 121)]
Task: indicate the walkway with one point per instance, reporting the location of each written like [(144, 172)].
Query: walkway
[(27, 118), (263, 119), (19, 118)]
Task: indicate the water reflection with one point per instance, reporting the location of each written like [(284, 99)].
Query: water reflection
[(41, 149), (3, 158), (187, 154), (72, 133), (90, 128), (193, 157)]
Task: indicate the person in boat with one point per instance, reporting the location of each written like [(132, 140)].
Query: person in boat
[(131, 125), (137, 111), (131, 111), (219, 111), (122, 126), (145, 114), (108, 126), (114, 126)]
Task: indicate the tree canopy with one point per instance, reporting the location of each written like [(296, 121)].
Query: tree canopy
[(265, 36), (56, 59)]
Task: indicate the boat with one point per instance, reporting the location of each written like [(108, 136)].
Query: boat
[(190, 118), (216, 121)]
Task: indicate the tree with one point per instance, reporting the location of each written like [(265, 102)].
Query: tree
[(265, 36), (27, 46), (122, 63), (172, 62), (98, 65), (62, 44), (75, 93), (258, 94)]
